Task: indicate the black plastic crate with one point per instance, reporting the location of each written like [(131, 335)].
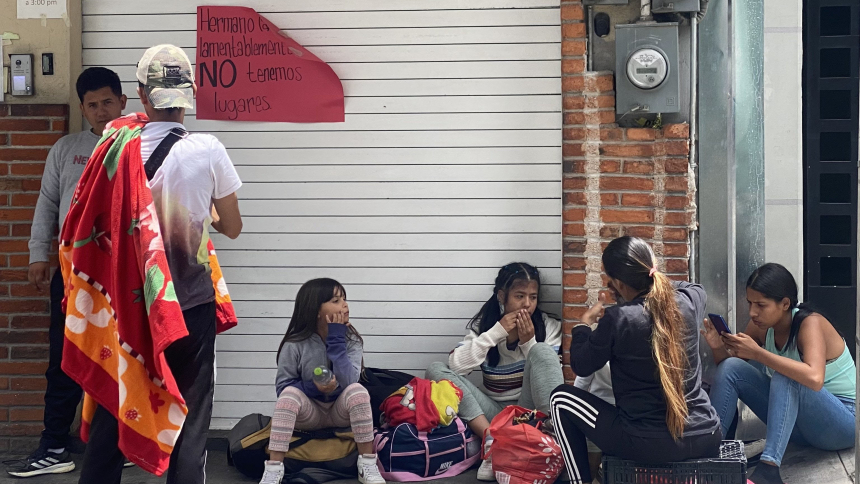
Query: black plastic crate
[(729, 468)]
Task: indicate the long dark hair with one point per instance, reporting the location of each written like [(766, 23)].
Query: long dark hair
[(631, 261), (311, 296), (490, 313), (776, 283)]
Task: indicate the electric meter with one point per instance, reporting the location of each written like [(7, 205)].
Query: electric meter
[(647, 68)]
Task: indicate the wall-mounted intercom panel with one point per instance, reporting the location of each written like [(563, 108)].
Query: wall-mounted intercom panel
[(646, 68), (21, 67)]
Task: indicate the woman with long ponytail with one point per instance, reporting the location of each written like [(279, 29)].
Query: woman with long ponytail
[(661, 414), (790, 366)]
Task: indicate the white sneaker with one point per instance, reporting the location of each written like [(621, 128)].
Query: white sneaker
[(368, 472), (485, 472), (273, 473)]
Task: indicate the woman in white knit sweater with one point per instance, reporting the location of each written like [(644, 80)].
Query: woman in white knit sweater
[(516, 347)]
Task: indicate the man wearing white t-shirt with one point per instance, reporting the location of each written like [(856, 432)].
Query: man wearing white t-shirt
[(195, 177)]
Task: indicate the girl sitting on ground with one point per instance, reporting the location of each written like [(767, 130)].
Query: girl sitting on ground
[(651, 336), (320, 335), (516, 347), (790, 366)]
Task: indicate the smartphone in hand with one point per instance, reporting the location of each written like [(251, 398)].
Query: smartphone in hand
[(719, 323)]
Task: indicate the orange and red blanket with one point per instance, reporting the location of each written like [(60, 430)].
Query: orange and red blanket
[(121, 308)]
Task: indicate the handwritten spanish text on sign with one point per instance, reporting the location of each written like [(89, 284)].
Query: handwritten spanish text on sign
[(247, 70)]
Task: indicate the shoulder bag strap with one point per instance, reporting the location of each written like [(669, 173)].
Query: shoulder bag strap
[(154, 162)]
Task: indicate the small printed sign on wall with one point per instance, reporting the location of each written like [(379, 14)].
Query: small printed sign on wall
[(40, 8)]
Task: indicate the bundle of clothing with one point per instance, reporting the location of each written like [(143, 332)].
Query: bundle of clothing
[(424, 403)]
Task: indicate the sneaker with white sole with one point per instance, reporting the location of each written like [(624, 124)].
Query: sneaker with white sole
[(40, 462), (485, 471), (368, 472), (273, 473)]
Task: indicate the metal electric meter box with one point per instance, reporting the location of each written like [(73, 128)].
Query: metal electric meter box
[(670, 6), (646, 68)]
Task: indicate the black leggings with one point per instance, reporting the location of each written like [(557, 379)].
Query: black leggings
[(578, 414)]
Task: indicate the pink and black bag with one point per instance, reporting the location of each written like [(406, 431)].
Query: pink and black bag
[(407, 455)]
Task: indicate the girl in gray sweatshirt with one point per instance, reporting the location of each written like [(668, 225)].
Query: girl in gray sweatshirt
[(320, 335)]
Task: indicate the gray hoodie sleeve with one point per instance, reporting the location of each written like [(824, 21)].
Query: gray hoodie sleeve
[(345, 353), (45, 218)]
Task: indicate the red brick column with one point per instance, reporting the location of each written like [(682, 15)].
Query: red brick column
[(27, 132), (617, 181)]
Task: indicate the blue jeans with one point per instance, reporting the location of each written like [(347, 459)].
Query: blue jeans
[(791, 411)]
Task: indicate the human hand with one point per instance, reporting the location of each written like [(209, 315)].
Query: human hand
[(712, 337), (594, 313), (39, 275), (337, 318), (525, 327), (741, 345), (509, 321), (330, 387)]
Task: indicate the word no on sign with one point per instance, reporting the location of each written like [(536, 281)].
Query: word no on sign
[(38, 8)]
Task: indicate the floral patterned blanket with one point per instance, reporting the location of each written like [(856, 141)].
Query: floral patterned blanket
[(121, 307)]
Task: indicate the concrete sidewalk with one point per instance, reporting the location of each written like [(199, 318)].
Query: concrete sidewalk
[(217, 472), (800, 465)]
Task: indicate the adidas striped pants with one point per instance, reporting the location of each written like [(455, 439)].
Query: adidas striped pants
[(578, 414)]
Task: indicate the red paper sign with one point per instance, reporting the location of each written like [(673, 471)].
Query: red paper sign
[(248, 70)]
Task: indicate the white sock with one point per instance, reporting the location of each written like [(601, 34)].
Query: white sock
[(57, 451)]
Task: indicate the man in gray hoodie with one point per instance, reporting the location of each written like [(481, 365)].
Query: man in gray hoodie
[(102, 101)]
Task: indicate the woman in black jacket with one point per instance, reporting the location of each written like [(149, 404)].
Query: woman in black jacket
[(651, 340)]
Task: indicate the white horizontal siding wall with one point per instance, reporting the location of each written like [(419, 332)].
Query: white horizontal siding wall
[(448, 166)]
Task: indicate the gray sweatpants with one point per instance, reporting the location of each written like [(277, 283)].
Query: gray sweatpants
[(541, 376)]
